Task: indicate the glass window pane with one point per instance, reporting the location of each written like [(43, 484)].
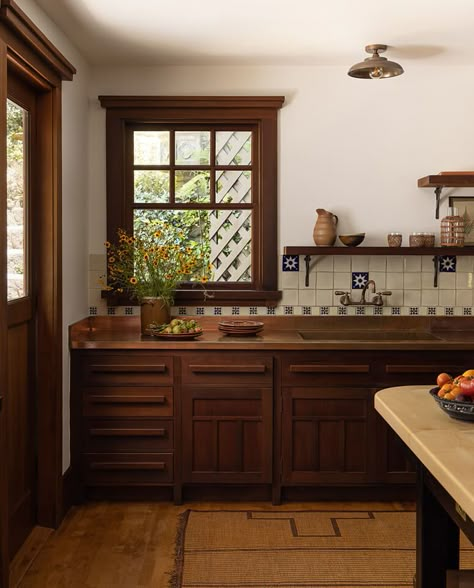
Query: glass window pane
[(234, 186), (227, 235), (233, 147), (151, 186), (192, 186), (151, 147), (16, 200), (192, 147)]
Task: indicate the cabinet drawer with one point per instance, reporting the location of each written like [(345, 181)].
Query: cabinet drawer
[(128, 435), (327, 369), (128, 469), (234, 368), (128, 369), (127, 401)]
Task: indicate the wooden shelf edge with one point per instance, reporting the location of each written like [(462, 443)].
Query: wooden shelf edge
[(447, 180), (312, 250)]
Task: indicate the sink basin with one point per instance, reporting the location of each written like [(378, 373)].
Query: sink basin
[(367, 336)]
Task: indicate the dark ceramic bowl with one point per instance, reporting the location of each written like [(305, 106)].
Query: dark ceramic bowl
[(352, 240)]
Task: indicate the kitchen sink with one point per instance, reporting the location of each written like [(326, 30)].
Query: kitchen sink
[(367, 336)]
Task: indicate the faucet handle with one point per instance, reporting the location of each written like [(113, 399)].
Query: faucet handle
[(340, 292), (384, 293)]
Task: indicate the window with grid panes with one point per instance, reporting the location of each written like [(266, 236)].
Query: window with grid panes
[(208, 166)]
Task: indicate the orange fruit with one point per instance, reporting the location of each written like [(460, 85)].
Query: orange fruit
[(468, 373), (447, 387), (443, 378)]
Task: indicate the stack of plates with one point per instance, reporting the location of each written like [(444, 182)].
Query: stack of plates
[(240, 328)]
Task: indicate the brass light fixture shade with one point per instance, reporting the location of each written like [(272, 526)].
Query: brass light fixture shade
[(375, 67)]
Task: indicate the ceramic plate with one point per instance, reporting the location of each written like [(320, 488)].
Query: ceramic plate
[(463, 411), (175, 336), (245, 325)]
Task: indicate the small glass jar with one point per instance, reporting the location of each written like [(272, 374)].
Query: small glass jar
[(394, 239), (417, 240), (429, 240)]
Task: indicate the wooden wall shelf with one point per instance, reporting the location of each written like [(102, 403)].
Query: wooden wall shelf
[(436, 252), (446, 180)]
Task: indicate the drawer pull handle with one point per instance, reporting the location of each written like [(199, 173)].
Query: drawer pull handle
[(128, 432), (156, 369), (329, 369), (227, 369), (109, 399), (128, 465), (416, 369)]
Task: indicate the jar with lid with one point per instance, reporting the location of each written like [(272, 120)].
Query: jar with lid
[(452, 229)]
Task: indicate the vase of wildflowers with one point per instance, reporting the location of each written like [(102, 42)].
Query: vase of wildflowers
[(149, 266)]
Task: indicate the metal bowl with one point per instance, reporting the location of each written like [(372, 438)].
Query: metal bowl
[(352, 240)]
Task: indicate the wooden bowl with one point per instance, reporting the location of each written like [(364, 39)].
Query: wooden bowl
[(352, 240)]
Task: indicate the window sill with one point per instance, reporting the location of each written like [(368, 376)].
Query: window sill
[(212, 298)]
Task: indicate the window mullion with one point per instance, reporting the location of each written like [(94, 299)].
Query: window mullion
[(212, 175), (172, 166)]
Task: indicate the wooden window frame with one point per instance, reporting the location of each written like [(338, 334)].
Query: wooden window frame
[(259, 112), (26, 51)]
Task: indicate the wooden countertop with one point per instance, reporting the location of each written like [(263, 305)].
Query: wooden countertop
[(444, 445), (283, 333)]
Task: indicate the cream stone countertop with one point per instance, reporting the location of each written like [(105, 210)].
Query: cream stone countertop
[(285, 333), (445, 446)]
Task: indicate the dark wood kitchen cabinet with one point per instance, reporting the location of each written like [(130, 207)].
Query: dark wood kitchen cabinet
[(227, 416)]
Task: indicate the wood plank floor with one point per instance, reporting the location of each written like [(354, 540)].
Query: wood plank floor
[(126, 545)]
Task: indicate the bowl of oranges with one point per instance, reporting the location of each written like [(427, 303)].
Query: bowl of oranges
[(455, 395)]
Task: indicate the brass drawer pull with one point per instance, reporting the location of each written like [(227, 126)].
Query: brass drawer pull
[(128, 465), (329, 369), (227, 369), (109, 399), (128, 432), (157, 369)]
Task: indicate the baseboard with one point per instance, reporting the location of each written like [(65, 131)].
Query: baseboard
[(70, 491)]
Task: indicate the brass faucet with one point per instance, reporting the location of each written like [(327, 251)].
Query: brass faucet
[(377, 300)]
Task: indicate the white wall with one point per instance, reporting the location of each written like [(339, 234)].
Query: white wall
[(74, 190), (355, 147)]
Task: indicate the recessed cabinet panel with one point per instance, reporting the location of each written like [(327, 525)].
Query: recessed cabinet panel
[(227, 368), (128, 401), (128, 435), (128, 469), (140, 369)]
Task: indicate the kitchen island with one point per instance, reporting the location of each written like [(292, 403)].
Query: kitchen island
[(444, 450)]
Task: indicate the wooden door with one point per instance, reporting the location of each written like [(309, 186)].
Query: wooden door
[(20, 395)]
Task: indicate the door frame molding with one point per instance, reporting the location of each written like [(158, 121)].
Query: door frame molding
[(25, 51)]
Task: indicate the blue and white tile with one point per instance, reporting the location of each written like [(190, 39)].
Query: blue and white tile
[(464, 297), (359, 279), (447, 263), (464, 280), (412, 281), (447, 297), (412, 263), (290, 263), (394, 263)]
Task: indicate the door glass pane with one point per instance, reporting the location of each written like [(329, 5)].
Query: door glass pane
[(193, 147), (234, 147), (151, 147), (17, 119)]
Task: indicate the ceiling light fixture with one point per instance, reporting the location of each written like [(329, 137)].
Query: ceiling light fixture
[(375, 67)]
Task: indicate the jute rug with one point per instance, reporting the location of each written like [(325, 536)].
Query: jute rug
[(292, 549)]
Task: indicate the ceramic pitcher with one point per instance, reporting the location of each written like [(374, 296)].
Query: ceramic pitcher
[(324, 233)]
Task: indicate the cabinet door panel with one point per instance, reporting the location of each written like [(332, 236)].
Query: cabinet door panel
[(226, 368), (227, 437), (326, 435)]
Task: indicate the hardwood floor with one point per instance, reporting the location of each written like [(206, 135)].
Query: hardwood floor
[(126, 545)]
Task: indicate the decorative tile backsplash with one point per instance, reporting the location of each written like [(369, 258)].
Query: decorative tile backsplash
[(410, 279)]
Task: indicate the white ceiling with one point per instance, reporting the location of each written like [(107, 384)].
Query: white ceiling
[(319, 32)]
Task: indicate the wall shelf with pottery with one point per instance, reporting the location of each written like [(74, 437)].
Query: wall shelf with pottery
[(436, 252), (446, 180)]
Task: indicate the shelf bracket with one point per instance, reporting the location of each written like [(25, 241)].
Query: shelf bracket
[(307, 259), (438, 191), (436, 270)]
